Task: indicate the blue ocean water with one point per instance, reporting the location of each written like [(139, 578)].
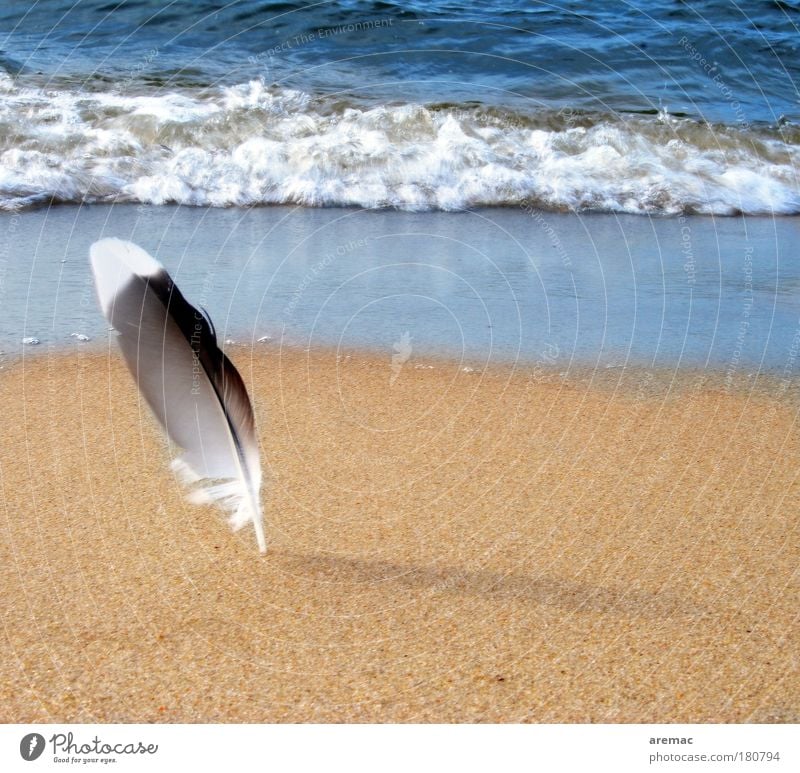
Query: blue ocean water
[(560, 169), (595, 55), (639, 107)]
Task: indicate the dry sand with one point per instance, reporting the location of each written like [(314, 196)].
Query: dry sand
[(456, 546)]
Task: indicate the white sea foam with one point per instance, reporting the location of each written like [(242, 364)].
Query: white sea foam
[(247, 145)]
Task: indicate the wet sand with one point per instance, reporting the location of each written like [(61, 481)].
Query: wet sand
[(446, 546)]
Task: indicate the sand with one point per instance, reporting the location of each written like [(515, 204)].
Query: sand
[(454, 546)]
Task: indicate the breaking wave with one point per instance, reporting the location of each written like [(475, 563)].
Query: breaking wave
[(251, 145)]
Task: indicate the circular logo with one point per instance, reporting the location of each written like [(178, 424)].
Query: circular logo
[(31, 746)]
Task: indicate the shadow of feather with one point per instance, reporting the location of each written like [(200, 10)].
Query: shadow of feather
[(569, 594)]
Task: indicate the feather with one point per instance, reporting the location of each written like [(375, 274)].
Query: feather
[(191, 386)]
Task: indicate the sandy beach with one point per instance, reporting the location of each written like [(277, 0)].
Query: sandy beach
[(449, 545)]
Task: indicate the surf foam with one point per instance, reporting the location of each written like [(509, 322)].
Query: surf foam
[(252, 145)]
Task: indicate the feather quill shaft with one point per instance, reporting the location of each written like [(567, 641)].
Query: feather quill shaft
[(190, 385)]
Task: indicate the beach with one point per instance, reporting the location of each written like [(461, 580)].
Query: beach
[(447, 543)]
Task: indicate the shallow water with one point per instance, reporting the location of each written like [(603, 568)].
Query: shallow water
[(496, 285)]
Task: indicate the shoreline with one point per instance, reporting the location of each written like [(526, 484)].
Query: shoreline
[(491, 284), (628, 378), (448, 547)]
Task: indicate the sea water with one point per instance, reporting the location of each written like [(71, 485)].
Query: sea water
[(610, 181), (615, 106)]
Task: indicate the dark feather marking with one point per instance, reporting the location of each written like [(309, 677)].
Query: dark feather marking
[(199, 332)]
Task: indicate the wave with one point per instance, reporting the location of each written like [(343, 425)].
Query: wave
[(251, 144)]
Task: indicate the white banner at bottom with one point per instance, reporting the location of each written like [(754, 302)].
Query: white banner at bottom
[(400, 748)]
